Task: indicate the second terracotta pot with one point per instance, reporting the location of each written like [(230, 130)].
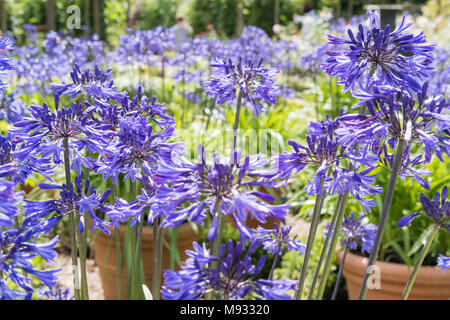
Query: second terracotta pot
[(431, 282), (105, 256)]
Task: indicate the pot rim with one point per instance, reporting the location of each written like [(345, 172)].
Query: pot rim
[(396, 272)]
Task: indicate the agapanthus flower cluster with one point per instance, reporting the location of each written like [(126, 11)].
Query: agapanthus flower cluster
[(393, 116), (97, 83), (189, 191), (79, 199), (6, 44), (19, 245), (255, 82), (235, 277), (43, 133), (19, 170), (12, 109), (324, 152), (355, 232), (443, 262), (380, 57), (437, 210), (137, 149), (274, 240), (134, 211)]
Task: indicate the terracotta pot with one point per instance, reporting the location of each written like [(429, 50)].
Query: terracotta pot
[(105, 256), (431, 282)]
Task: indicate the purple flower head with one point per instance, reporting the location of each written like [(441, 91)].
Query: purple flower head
[(6, 44), (76, 199), (355, 232), (146, 107), (121, 211), (189, 191), (9, 201), (255, 82), (443, 262), (19, 170), (325, 153), (12, 109), (137, 149), (97, 84), (274, 240), (393, 116), (43, 131), (378, 56), (18, 246), (322, 151), (233, 278), (438, 210)]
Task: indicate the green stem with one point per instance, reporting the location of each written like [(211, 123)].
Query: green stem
[(72, 230), (155, 282), (138, 258), (310, 243), (334, 241), (418, 264), (384, 215), (236, 125), (325, 249), (82, 240), (133, 235), (163, 75), (215, 246), (339, 276), (82, 252), (275, 262), (160, 257), (118, 249)]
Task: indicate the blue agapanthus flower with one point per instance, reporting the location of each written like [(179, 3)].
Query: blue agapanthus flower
[(437, 210), (443, 262), (233, 278), (122, 210), (278, 238), (255, 82), (19, 245), (395, 115), (12, 109), (355, 232), (189, 191), (378, 57), (9, 203), (19, 170), (78, 199), (97, 84), (324, 152), (42, 133), (6, 44), (138, 149)]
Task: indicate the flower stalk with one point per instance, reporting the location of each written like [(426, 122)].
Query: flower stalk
[(325, 249), (310, 243), (72, 230), (419, 262), (384, 214), (334, 240), (339, 276)]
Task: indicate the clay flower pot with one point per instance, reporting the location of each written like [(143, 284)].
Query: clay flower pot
[(105, 256), (431, 282)]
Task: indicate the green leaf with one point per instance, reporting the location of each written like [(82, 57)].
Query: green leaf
[(420, 241), (147, 294)]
